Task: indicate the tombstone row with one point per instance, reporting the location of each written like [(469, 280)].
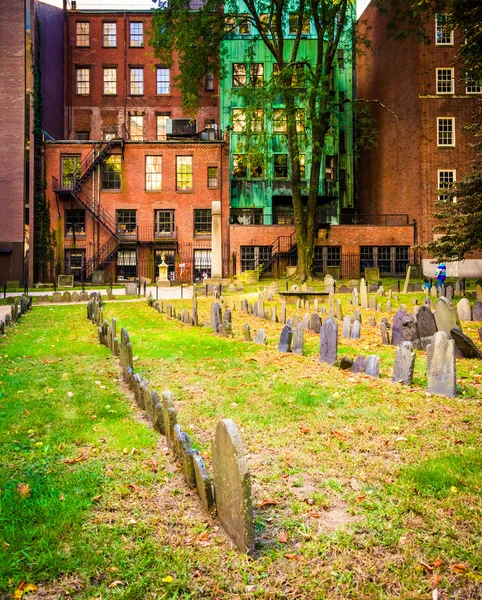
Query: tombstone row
[(58, 297), (20, 306)]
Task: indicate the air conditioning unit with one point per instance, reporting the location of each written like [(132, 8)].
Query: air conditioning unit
[(208, 135), (181, 127)]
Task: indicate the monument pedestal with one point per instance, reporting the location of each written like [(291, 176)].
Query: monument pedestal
[(163, 283)]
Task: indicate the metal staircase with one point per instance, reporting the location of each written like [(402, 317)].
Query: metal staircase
[(283, 246), (101, 257)]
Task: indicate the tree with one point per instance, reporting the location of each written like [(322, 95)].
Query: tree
[(302, 81)]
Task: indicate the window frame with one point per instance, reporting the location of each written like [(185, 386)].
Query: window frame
[(114, 70), (133, 71), (85, 70), (167, 233), (76, 216), (238, 77), (136, 137), (162, 137), (78, 34), (305, 27), (239, 164), (442, 145), (437, 81), (160, 82), (108, 35), (254, 74), (136, 45), (442, 197), (117, 175), (204, 227), (179, 175), (473, 84), (280, 177), (77, 158), (209, 82), (210, 178), (437, 43), (153, 177)]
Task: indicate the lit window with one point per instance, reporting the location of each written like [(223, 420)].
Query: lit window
[(212, 177), (239, 74), (445, 81), (244, 27), (239, 166), (136, 31), (256, 170), (153, 172), (305, 25), (70, 168), (83, 81), (280, 166), (111, 173), (446, 180), (136, 127), (162, 126), (300, 120), (137, 82), (83, 33), (110, 82), (164, 223), (257, 121), (75, 222), (444, 36), (126, 264), (163, 81), (446, 131), (256, 74), (202, 222), (110, 35), (184, 178), (239, 120), (279, 120)]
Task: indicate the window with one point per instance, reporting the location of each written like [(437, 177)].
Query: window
[(202, 221), (391, 260), (256, 74), (209, 85), (279, 120), (444, 36), (161, 126), (300, 120), (244, 26), (326, 256), (75, 222), (202, 264), (446, 180), (256, 169), (82, 135), (110, 82), (305, 26), (473, 87), (126, 264), (137, 82), (239, 120), (83, 81), (126, 224), (109, 35), (82, 30), (247, 216), (184, 173), (280, 166), (163, 81), (445, 81), (153, 172), (212, 177), (253, 257), (446, 131), (74, 263), (163, 223), (136, 127), (341, 58), (70, 167), (239, 74), (111, 173), (239, 166), (330, 169), (257, 121), (136, 31), (210, 124)]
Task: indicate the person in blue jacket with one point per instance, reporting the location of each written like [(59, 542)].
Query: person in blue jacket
[(441, 275)]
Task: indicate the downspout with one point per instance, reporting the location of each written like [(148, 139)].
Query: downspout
[(125, 72)]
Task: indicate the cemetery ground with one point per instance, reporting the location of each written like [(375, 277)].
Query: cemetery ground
[(362, 488)]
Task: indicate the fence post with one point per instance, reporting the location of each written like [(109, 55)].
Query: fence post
[(206, 290), (145, 288), (398, 285), (181, 291), (55, 285), (5, 290), (138, 288), (157, 292)]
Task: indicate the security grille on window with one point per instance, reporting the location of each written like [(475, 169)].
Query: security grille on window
[(184, 179), (136, 127), (445, 81), (163, 81), (70, 168), (153, 172), (75, 222), (280, 166), (239, 166), (202, 264), (446, 131), (110, 35), (256, 74), (305, 25), (126, 264), (212, 177), (202, 222), (239, 74), (253, 257), (126, 222), (209, 85), (83, 81), (161, 121), (136, 31), (110, 81), (163, 223), (446, 180), (111, 173), (137, 82), (82, 33), (443, 34)]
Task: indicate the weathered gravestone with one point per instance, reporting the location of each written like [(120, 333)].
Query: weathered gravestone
[(372, 303), (359, 365), (397, 327), (357, 315), (433, 291), (371, 321), (222, 330), (449, 291), (274, 316), (363, 294), (298, 339), (384, 333), (247, 333), (478, 291), (338, 311), (346, 332), (75, 297), (446, 316), (372, 366), (285, 339), (328, 341), (233, 486), (404, 364), (215, 318), (84, 296), (464, 310), (57, 297), (477, 312), (427, 327), (260, 337), (315, 322), (465, 345), (204, 483), (355, 330), (346, 363), (131, 288), (441, 374)]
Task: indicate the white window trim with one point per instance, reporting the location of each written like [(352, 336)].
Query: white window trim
[(451, 69), (454, 171), (474, 93), (437, 43), (452, 145)]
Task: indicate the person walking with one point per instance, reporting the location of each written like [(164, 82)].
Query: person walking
[(441, 275)]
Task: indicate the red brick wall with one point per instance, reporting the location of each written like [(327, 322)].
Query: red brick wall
[(97, 111)]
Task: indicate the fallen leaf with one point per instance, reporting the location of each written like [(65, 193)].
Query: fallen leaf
[(338, 434), (97, 498), (459, 568), (30, 587), (81, 456), (305, 430), (115, 584), (112, 569), (134, 488), (436, 579), (361, 498), (316, 515), (17, 594), (293, 557), (283, 537), (438, 562), (24, 490), (426, 567), (268, 502)]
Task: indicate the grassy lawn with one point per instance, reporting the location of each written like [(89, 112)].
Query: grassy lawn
[(375, 488)]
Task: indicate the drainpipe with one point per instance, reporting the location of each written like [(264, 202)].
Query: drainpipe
[(125, 71)]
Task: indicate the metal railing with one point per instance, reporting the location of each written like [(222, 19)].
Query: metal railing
[(384, 220), (256, 217)]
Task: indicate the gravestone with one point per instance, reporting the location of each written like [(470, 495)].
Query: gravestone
[(449, 291), (331, 304), (478, 291), (464, 310), (274, 316), (307, 305), (397, 327), (247, 333), (433, 291), (371, 321), (84, 296), (355, 330), (404, 364), (186, 459), (338, 311), (372, 273), (407, 279), (204, 482), (381, 291), (185, 318), (410, 332), (328, 341), (445, 316), (298, 340), (373, 287), (260, 337), (283, 313), (75, 297), (305, 321), (316, 304), (131, 288), (441, 373), (359, 365), (385, 334), (315, 322), (343, 289), (372, 303), (379, 308), (157, 417), (221, 330), (56, 297), (355, 296), (346, 363), (285, 339), (233, 486), (329, 284), (228, 318), (372, 366), (260, 306), (346, 332), (357, 315), (363, 294), (65, 281), (215, 316), (465, 345), (477, 312)]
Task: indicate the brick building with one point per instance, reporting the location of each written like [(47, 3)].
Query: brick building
[(422, 144)]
